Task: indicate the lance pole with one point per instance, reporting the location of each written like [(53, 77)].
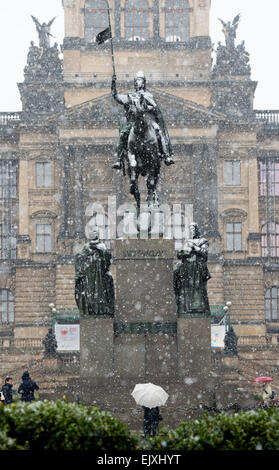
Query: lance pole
[(111, 44)]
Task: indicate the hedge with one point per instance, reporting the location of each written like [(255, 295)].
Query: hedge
[(59, 425), (252, 430), (7, 443)]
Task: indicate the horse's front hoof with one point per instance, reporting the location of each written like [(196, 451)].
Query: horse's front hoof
[(117, 166), (169, 161)]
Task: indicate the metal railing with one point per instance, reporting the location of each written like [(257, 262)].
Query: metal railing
[(9, 117), (9, 342), (270, 116), (123, 76)]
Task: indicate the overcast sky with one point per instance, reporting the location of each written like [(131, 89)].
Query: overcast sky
[(258, 28)]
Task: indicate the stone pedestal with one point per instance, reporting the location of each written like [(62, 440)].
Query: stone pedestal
[(194, 348), (144, 280), (145, 319), (96, 351)]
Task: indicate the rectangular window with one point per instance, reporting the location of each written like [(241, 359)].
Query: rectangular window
[(272, 303), (234, 236), (232, 172), (43, 238), (43, 175), (270, 239), (269, 178), (6, 306), (8, 172), (7, 241)]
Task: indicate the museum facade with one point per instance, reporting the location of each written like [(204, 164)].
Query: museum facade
[(56, 175)]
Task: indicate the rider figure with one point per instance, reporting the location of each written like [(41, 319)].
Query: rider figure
[(143, 101)]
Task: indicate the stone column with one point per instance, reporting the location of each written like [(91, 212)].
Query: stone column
[(254, 237), (206, 188), (79, 188), (65, 185), (117, 7), (156, 20), (23, 198), (23, 238)]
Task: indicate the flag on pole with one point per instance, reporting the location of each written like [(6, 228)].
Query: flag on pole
[(104, 35)]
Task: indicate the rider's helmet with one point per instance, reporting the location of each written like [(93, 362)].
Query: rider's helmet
[(140, 74)]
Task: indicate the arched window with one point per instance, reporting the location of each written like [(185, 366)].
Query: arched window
[(177, 20), (136, 20), (272, 303), (96, 18), (270, 239), (6, 306)]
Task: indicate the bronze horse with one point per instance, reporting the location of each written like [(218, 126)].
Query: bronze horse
[(144, 157)]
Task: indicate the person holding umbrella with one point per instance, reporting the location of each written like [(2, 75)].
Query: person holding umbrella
[(150, 397), (151, 421), (267, 393)]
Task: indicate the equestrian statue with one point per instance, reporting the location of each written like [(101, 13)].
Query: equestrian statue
[(143, 141)]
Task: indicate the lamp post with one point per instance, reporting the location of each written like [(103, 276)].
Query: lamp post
[(52, 310), (230, 336), (229, 304), (227, 310)]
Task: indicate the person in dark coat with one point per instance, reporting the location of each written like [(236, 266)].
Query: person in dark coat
[(8, 390), (151, 420), (27, 387)]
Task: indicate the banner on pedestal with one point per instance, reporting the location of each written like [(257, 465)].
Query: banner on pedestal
[(67, 337)]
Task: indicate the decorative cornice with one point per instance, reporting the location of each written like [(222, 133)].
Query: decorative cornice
[(234, 213), (44, 214)]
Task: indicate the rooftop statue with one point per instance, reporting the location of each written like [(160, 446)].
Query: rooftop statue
[(43, 31), (231, 59), (144, 141), (230, 31)]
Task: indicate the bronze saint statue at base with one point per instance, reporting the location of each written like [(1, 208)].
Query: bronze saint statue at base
[(94, 289), (191, 275)]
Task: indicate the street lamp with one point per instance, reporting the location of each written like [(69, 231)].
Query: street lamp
[(226, 309), (52, 308)]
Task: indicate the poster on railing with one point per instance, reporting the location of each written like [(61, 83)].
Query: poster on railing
[(218, 336), (67, 337)]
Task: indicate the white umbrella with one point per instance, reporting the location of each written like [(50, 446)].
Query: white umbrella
[(149, 395)]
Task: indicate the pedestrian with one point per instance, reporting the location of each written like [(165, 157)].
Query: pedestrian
[(27, 387), (268, 394), (151, 421), (7, 390)]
